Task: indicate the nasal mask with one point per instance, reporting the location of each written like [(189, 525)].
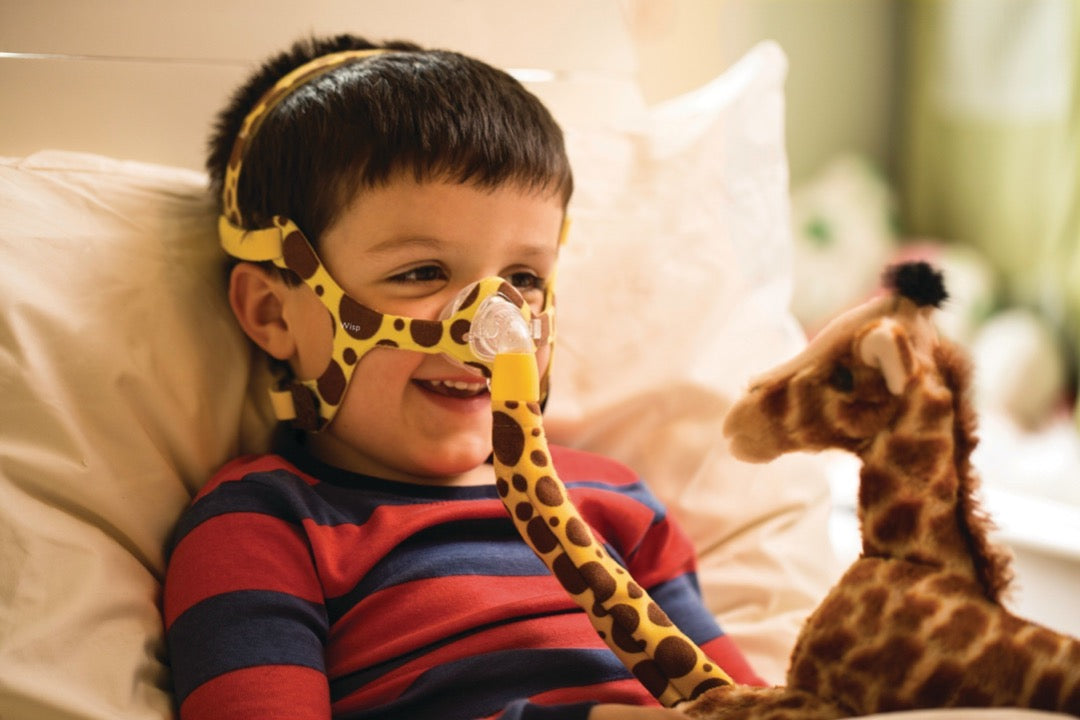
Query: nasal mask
[(486, 318)]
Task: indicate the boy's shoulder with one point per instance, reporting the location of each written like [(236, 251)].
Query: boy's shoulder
[(582, 466), (249, 466)]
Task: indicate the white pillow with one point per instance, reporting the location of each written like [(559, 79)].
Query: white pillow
[(125, 380), (673, 290), (123, 386)]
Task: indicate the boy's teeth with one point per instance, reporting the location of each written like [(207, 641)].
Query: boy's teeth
[(458, 388), (458, 385)]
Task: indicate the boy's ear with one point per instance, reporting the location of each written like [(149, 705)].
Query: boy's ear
[(257, 297)]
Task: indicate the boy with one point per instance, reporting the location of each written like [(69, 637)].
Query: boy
[(368, 568)]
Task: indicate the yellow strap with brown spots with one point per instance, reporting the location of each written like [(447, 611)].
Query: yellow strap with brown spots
[(664, 660), (253, 120)]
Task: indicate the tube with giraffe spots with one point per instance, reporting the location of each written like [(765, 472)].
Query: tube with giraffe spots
[(664, 660)]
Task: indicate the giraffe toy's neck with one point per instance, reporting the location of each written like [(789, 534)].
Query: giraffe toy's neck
[(907, 495), (915, 492)]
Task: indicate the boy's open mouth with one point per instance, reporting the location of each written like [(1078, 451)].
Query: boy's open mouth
[(453, 388)]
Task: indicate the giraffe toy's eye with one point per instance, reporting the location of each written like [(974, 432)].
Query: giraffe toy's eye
[(842, 379)]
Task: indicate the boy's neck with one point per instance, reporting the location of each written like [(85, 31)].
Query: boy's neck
[(329, 450)]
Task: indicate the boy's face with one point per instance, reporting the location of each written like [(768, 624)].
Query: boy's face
[(407, 248)]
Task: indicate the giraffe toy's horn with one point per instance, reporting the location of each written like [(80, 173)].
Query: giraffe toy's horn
[(894, 341), (886, 348)]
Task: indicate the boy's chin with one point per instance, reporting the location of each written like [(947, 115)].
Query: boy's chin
[(472, 469)]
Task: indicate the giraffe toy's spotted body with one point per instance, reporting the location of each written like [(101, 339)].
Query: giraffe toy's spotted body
[(917, 620), (664, 660)]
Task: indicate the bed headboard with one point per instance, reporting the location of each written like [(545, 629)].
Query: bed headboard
[(142, 80)]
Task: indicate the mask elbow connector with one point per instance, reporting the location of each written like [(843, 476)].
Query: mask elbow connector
[(498, 328), (500, 335)]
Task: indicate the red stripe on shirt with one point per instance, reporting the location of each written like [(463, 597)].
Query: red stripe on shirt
[(346, 552), (549, 632), (724, 651), (239, 551), (418, 614), (269, 692)]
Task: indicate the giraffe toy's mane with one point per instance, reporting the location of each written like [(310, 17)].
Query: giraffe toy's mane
[(991, 563), (923, 285)]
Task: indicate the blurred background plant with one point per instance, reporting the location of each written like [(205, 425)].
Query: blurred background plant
[(942, 129)]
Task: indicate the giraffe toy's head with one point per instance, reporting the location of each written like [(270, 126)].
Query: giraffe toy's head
[(851, 381)]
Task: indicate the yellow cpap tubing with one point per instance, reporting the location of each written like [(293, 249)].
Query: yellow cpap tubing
[(664, 660)]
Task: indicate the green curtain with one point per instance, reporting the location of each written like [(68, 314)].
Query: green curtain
[(990, 148)]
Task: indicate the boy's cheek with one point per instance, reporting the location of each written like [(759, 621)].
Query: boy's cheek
[(312, 329), (543, 359)]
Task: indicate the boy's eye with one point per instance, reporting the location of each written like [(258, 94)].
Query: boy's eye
[(421, 274), (525, 281)]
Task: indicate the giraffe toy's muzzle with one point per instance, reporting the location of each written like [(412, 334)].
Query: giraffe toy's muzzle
[(754, 432)]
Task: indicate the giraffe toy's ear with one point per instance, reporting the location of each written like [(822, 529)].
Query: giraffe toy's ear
[(887, 348)]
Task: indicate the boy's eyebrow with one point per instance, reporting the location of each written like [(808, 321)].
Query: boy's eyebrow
[(401, 243), (427, 242)]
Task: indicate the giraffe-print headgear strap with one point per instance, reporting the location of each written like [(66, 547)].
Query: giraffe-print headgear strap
[(462, 335), (311, 404), (271, 99)]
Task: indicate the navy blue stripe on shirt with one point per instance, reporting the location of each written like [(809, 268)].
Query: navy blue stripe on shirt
[(680, 599), (489, 547), (286, 496), (483, 684), (482, 547), (638, 491), (525, 710), (243, 629), (344, 685)]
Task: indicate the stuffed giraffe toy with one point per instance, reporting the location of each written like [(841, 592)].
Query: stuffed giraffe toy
[(917, 620)]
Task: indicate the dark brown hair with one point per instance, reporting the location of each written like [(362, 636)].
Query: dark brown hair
[(433, 113)]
